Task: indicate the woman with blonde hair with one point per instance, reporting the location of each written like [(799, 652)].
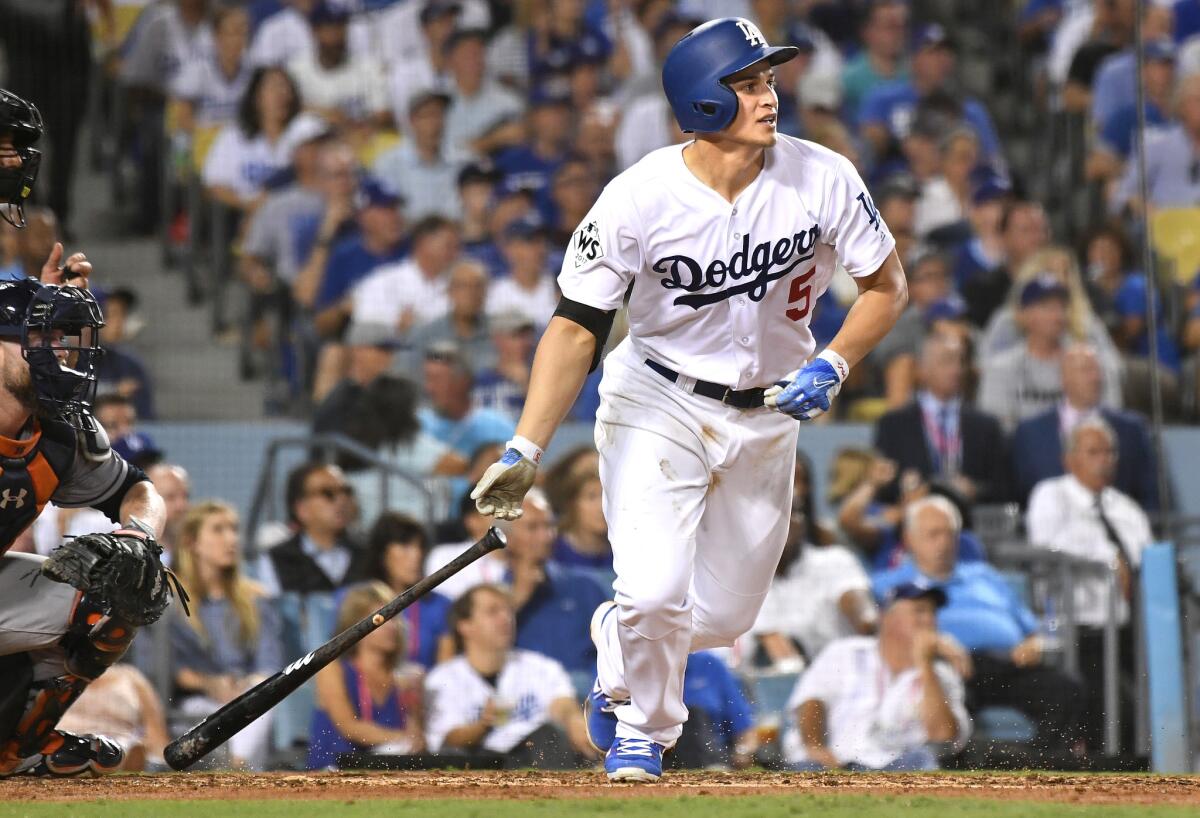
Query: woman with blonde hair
[(1004, 331), (367, 701), (232, 639)]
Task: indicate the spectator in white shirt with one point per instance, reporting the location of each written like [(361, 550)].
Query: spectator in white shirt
[(820, 593), (209, 90), (1080, 514), (344, 89), (284, 36), (423, 68), (528, 288), (420, 168), (494, 698), (478, 102), (880, 703), (398, 297)]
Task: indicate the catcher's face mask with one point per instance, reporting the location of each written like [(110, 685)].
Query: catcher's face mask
[(20, 128), (61, 342)]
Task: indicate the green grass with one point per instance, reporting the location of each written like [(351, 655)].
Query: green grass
[(784, 806)]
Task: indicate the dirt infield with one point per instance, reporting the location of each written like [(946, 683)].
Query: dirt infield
[(1083, 789)]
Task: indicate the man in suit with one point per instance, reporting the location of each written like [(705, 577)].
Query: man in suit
[(942, 438), (1037, 445)]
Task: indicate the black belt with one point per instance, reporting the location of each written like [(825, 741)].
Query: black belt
[(737, 398)]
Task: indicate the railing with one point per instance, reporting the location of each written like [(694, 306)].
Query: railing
[(265, 506)]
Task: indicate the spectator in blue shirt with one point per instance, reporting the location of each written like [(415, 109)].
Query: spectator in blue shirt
[(720, 726), (985, 615), (396, 547), (501, 387), (582, 530), (554, 602), (886, 112), (1119, 130), (448, 415), (530, 166)]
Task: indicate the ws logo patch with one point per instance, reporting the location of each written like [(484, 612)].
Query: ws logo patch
[(587, 244)]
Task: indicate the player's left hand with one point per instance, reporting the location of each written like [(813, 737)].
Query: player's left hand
[(502, 489), (806, 393), (74, 271)]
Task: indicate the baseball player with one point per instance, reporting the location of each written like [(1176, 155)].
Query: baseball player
[(723, 246), (66, 618)]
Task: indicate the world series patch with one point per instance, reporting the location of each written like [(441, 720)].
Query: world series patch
[(587, 244)]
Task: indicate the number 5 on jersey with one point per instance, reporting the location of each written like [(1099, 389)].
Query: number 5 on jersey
[(800, 295)]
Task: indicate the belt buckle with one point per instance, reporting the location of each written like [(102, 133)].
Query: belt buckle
[(725, 397)]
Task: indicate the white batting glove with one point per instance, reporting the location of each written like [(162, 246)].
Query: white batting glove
[(501, 490)]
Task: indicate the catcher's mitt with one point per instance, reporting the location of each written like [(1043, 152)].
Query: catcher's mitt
[(122, 571)]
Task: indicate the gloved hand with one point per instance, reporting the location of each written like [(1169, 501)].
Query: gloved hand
[(806, 393), (501, 490)]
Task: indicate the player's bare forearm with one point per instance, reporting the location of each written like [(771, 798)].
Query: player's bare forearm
[(882, 297), (144, 502), (560, 367)]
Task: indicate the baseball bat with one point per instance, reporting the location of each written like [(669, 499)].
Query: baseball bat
[(218, 727)]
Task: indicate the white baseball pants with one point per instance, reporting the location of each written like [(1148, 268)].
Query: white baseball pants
[(698, 499)]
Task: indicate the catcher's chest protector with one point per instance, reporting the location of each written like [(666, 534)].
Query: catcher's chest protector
[(30, 471)]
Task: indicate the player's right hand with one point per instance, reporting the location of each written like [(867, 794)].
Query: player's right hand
[(501, 490)]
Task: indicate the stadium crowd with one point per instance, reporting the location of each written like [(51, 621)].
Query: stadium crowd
[(400, 183)]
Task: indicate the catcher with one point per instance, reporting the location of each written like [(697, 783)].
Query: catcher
[(66, 618)]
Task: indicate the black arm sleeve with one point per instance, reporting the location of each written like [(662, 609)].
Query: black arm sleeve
[(597, 322), (111, 508)]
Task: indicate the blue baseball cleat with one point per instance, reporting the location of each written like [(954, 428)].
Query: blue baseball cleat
[(600, 717), (637, 760)]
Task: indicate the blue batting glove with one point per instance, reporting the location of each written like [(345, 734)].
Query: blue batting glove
[(807, 393)]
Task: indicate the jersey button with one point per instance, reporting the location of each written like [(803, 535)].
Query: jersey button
[(735, 211), (737, 235), (745, 339)]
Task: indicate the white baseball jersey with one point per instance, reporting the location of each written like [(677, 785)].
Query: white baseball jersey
[(724, 291), (455, 696)]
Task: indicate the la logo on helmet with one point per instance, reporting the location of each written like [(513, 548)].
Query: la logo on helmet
[(753, 35)]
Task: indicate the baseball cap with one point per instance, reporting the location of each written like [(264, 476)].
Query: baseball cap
[(434, 9), (547, 94), (482, 171), (950, 308), (426, 95), (526, 227), (138, 448), (1160, 50), (899, 184), (988, 187), (932, 35), (374, 193), (510, 321), (915, 590), (1041, 288), (325, 13)]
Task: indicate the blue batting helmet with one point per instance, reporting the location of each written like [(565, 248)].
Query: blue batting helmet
[(695, 71)]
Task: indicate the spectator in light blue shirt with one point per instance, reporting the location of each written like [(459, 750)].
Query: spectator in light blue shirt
[(984, 614), (1172, 158), (1118, 133), (448, 415), (421, 169)]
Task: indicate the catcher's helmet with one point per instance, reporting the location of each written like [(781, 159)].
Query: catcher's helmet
[(59, 331), (694, 72), (20, 120)]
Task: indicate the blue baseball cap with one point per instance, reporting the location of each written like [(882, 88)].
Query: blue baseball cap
[(933, 35), (547, 94), (1160, 50), (915, 590), (988, 187), (138, 448), (526, 227), (950, 308), (326, 13), (1041, 288), (373, 193)]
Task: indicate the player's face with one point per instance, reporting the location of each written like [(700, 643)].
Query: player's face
[(218, 543), (17, 380), (758, 106), (9, 159)]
